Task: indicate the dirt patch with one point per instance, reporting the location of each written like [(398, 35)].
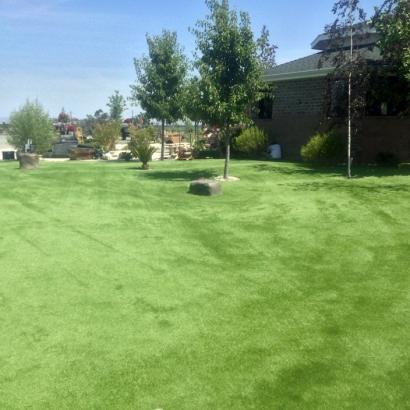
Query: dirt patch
[(221, 178)]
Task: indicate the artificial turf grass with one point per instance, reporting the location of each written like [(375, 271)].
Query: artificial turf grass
[(288, 291)]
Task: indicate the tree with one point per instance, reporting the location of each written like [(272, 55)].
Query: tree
[(230, 72), (99, 117), (117, 105), (161, 80), (266, 52), (63, 117), (31, 122), (193, 104), (392, 21), (348, 82), (105, 134)]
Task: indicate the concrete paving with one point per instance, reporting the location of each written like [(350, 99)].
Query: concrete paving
[(119, 146)]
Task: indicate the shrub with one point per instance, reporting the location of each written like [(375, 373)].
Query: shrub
[(144, 153), (125, 155), (252, 142), (387, 159), (31, 122), (325, 148), (141, 136), (234, 134), (199, 145), (105, 134)]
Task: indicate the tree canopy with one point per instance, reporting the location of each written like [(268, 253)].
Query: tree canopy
[(117, 105), (266, 51), (392, 21), (161, 79), (230, 74), (30, 121)]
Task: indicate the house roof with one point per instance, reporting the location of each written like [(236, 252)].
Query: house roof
[(322, 41), (306, 67)]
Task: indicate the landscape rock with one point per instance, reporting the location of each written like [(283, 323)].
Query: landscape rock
[(205, 187), (29, 160)]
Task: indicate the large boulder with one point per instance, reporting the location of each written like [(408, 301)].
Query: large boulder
[(29, 160), (205, 187)]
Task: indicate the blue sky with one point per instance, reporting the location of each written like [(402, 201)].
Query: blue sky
[(74, 54)]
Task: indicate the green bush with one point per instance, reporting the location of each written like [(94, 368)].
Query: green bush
[(199, 145), (234, 134), (31, 122), (141, 136), (125, 155), (387, 159), (326, 148), (105, 134), (143, 153), (252, 142)]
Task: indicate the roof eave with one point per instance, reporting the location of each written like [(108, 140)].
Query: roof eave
[(272, 78)]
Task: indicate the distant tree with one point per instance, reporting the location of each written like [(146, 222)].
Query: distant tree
[(230, 74), (30, 121), (117, 105), (194, 104), (266, 52), (63, 117), (347, 84), (161, 79), (105, 134), (101, 116)]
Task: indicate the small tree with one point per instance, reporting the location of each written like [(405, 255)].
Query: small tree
[(117, 106), (348, 82), (161, 80), (31, 122), (229, 68), (105, 134), (193, 103)]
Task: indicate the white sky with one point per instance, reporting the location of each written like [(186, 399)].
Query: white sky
[(75, 53)]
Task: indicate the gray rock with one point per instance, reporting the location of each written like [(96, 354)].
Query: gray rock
[(29, 160), (205, 187)]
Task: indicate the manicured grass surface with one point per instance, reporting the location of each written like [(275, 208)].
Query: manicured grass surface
[(119, 290)]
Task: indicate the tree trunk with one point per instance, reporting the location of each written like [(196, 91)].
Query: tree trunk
[(228, 150), (162, 139), (349, 103)]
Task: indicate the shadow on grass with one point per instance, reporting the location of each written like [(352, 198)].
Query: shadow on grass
[(173, 175), (358, 171)]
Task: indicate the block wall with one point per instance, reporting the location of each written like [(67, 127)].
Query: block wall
[(296, 116)]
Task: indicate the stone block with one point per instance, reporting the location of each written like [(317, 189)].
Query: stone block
[(29, 160), (205, 187)]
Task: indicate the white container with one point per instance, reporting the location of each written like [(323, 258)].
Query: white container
[(275, 151)]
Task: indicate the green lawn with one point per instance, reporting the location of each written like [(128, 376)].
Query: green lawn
[(120, 290)]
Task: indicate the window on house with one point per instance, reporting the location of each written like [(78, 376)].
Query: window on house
[(262, 109), (388, 96), (338, 98)]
